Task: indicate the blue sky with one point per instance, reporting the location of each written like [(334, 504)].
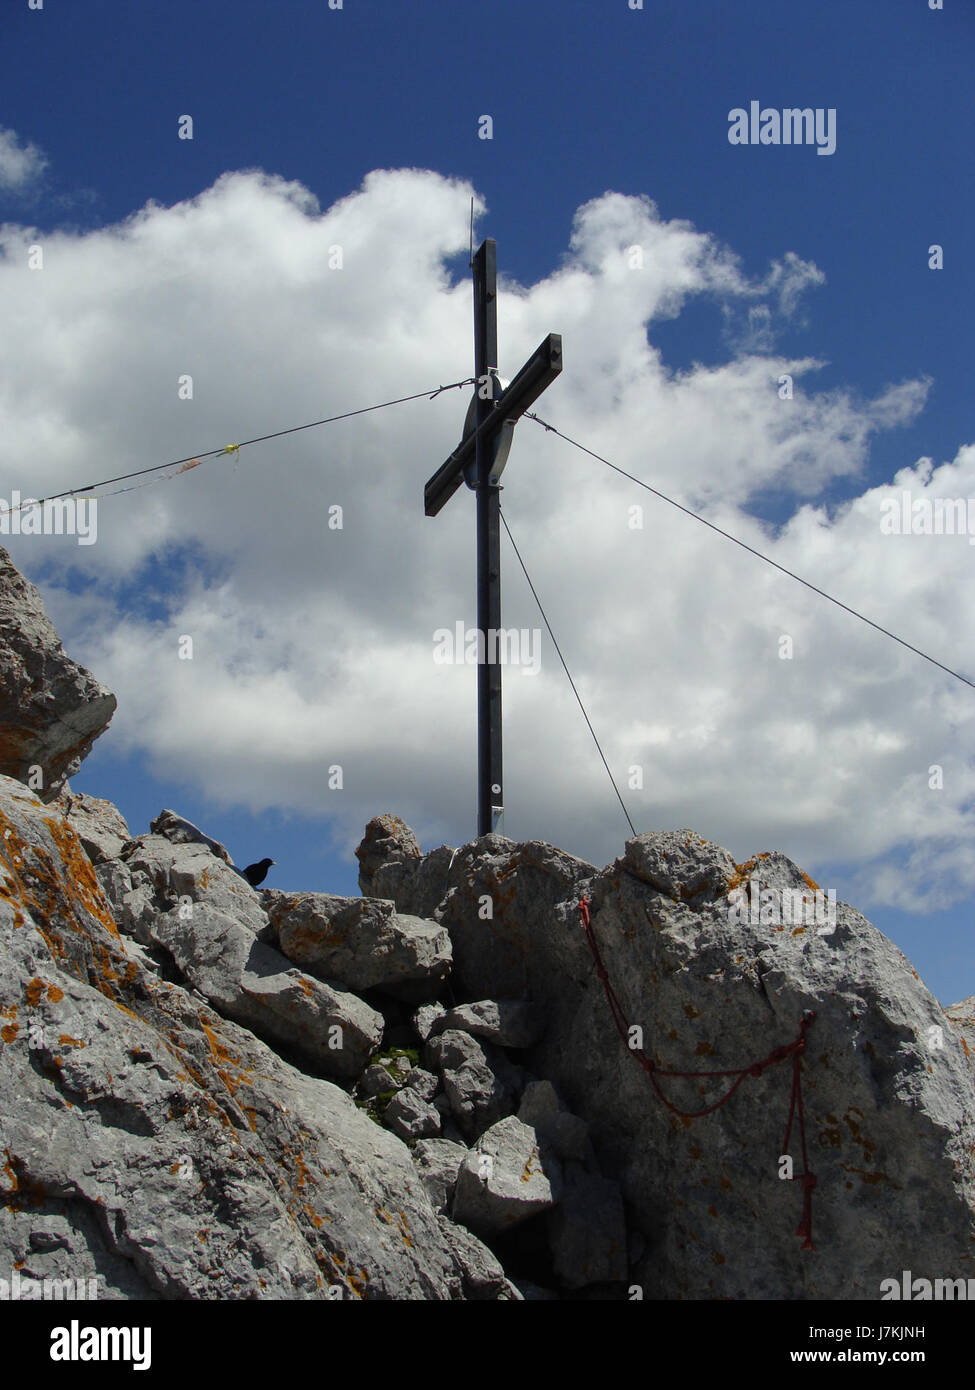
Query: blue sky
[(208, 257)]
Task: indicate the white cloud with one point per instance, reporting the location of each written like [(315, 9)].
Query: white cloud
[(21, 165), (315, 647)]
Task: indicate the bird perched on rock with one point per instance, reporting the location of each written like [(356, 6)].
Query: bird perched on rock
[(257, 873)]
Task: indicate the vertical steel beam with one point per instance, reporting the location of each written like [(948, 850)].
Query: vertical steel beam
[(490, 796)]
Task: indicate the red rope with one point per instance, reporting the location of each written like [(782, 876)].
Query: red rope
[(794, 1050)]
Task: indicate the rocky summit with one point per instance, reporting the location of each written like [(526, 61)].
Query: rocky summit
[(499, 1074)]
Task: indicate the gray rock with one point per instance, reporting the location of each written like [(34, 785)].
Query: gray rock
[(480, 1084), (480, 1271), (587, 1231), (375, 1080), (425, 1018), (210, 928), (506, 1022), (409, 1116), (424, 1082), (415, 885), (566, 1134), (161, 1148), (51, 709), (508, 1178), (99, 825), (886, 1080), (387, 840), (183, 832), (438, 1162), (362, 942)]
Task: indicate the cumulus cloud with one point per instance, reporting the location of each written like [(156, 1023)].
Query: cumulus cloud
[(313, 646), (21, 165)]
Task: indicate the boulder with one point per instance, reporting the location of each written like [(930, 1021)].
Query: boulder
[(480, 1084), (482, 1277), (505, 1022), (424, 1082), (508, 1178), (409, 1116), (51, 709), (388, 840), (362, 942)]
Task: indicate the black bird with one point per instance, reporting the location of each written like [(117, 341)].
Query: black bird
[(257, 873)]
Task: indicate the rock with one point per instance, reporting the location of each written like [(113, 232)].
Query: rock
[(362, 942), (567, 1135), (387, 840), (208, 919), (424, 1082), (183, 832), (587, 1231), (51, 709), (409, 1116), (506, 1022), (886, 1081), (416, 886), (162, 1148), (495, 958), (438, 1163), (508, 1178), (680, 864), (425, 1018), (480, 1084), (375, 1080), (481, 1274), (98, 824)]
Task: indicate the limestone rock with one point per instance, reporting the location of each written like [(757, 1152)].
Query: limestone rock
[(424, 1082), (208, 918), (99, 825), (425, 1018), (387, 840), (362, 942), (409, 1116), (183, 832), (506, 1179), (51, 709), (480, 1084), (438, 1163), (887, 1081), (481, 1274), (505, 1022), (567, 1135), (161, 1147)]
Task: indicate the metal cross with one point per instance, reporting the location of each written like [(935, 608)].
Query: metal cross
[(479, 460)]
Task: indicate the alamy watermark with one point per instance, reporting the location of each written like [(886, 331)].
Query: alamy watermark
[(17, 1289), (55, 516), (504, 646), (926, 1290), (793, 125), (928, 516), (783, 907)]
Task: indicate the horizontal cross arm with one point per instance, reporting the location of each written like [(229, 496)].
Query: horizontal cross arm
[(539, 371)]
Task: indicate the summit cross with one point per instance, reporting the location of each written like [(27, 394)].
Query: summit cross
[(478, 461)]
